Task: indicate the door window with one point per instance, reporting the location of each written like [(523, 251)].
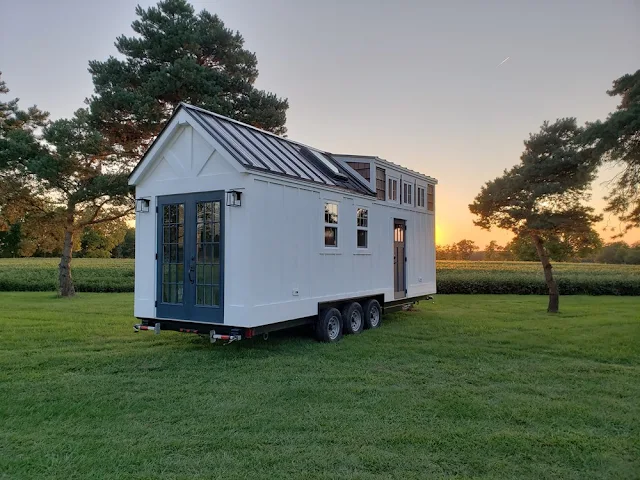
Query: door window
[(172, 253), (207, 261)]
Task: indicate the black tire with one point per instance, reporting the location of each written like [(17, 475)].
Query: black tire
[(372, 314), (329, 326), (352, 318)]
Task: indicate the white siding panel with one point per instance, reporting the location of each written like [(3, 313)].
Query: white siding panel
[(288, 251), (145, 264), (274, 243)]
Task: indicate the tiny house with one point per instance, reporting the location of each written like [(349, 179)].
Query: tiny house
[(240, 232)]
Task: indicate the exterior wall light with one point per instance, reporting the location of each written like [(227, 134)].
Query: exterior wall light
[(142, 205), (234, 198)]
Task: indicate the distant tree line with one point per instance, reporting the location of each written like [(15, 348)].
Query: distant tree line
[(619, 252), (109, 240), (560, 250), (463, 250)]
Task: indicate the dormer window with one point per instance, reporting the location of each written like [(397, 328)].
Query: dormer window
[(393, 189), (407, 194)]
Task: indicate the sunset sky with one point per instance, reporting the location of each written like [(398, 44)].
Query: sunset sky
[(418, 83)]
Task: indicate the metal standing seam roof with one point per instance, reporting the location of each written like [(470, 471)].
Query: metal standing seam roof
[(263, 151)]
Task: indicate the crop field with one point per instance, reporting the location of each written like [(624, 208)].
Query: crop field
[(482, 386), (116, 275), (528, 278), (89, 274)]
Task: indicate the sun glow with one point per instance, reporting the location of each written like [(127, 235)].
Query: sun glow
[(440, 235)]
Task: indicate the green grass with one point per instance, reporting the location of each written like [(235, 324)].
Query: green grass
[(466, 387), (117, 275)]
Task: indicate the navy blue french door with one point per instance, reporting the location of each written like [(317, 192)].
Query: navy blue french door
[(191, 257)]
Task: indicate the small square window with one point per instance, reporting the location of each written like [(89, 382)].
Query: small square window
[(330, 237), (331, 213), (362, 238), (363, 217)]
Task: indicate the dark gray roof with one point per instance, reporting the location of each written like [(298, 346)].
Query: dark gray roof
[(258, 150)]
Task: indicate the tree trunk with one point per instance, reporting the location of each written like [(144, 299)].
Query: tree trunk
[(65, 282), (554, 294)]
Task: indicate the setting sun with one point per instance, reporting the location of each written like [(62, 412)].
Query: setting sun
[(440, 236)]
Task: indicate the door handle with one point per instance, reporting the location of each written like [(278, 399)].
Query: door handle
[(191, 270)]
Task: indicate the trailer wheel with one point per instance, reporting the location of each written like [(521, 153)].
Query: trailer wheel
[(372, 314), (352, 318), (329, 325)]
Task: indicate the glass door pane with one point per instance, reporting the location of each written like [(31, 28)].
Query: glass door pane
[(207, 258), (172, 275)]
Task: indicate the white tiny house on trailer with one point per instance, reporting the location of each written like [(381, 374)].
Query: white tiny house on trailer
[(239, 232)]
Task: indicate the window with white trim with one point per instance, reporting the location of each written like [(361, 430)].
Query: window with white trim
[(407, 194), (362, 228), (420, 197), (330, 224), (393, 189)]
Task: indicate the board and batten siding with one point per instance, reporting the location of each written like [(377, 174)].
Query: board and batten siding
[(288, 254), (189, 163), (274, 242)]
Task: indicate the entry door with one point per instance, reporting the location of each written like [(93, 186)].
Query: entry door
[(190, 257), (399, 259)]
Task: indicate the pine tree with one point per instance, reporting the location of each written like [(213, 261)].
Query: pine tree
[(177, 56), (542, 196), (617, 141)]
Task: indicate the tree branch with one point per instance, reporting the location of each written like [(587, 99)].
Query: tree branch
[(109, 219), (95, 214)]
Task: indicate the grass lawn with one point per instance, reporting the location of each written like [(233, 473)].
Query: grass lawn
[(466, 387)]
